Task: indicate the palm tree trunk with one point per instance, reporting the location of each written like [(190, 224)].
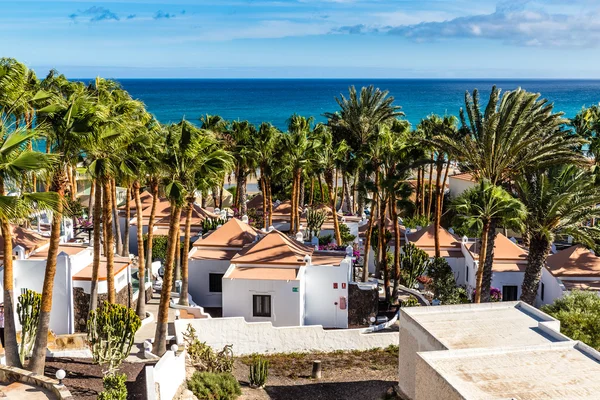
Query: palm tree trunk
[(394, 213), (418, 191), (368, 238), (438, 208), (263, 188), (110, 253), (311, 195), (97, 245), (243, 194), (298, 205), (347, 196), (538, 253), (482, 254), (489, 262), (154, 191), (183, 297), (343, 193), (270, 203), (141, 301), (301, 194), (115, 212), (177, 267), (430, 199), (321, 189), (381, 251), (162, 320), (221, 194), (125, 252), (204, 198), (11, 348), (293, 201), (422, 191), (332, 193), (48, 148), (38, 360), (91, 199), (444, 184)]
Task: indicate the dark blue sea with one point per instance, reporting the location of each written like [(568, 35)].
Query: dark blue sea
[(275, 100)]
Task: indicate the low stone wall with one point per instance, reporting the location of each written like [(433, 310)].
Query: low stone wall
[(81, 304), (12, 374), (263, 337), (363, 304)]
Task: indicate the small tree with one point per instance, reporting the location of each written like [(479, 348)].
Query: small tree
[(28, 311), (314, 221), (414, 263), (579, 316), (111, 330)]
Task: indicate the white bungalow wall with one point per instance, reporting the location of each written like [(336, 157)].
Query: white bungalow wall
[(285, 302), (199, 271)]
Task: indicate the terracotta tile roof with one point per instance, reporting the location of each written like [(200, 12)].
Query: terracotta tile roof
[(283, 210), (574, 261), (66, 248), (504, 250), (426, 238), (327, 258), (445, 253), (198, 216), (256, 202), (270, 274), (274, 248), (120, 263), (465, 176), (234, 233), (389, 225), (582, 285), (509, 267), (146, 199), (213, 254), (26, 238), (163, 209)]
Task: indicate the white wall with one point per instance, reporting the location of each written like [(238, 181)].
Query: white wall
[(199, 271), (500, 279), (264, 338), (285, 303), (458, 186), (165, 378), (323, 302), (121, 280)]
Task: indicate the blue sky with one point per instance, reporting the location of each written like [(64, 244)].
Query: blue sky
[(306, 38)]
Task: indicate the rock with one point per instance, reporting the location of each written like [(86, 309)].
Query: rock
[(187, 395)]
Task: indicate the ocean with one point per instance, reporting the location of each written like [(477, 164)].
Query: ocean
[(275, 100)]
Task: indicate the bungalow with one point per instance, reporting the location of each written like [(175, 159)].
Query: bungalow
[(450, 248), (508, 268), (210, 258), (574, 268), (287, 283), (459, 183), (389, 226)]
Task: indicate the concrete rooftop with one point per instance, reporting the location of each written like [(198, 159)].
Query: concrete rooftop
[(567, 370), (487, 325)]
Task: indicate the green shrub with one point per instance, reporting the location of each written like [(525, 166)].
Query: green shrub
[(410, 302), (114, 387), (579, 316), (443, 284), (413, 263), (203, 357), (210, 224), (211, 386), (413, 222), (325, 240), (259, 370), (345, 235)]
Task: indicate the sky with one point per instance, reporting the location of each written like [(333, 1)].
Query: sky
[(305, 38)]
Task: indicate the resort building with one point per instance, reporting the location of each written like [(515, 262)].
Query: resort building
[(450, 248), (287, 283), (459, 183), (210, 258), (508, 268), (574, 268), (491, 351)]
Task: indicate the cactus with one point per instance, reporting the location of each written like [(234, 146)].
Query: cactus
[(111, 330), (28, 311), (210, 224), (259, 370), (314, 221)]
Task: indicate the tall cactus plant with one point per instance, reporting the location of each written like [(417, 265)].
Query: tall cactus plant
[(111, 331), (259, 370), (28, 311), (314, 221)]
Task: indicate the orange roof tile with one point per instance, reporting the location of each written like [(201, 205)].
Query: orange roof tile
[(256, 202), (120, 263), (509, 267), (426, 238), (582, 285), (574, 261), (271, 274), (70, 249), (283, 210), (213, 254), (234, 233), (504, 249), (146, 199), (274, 248), (327, 258), (26, 238), (465, 176), (198, 216)]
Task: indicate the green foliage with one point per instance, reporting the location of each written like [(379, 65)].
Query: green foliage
[(210, 224), (417, 220), (114, 387), (211, 386), (410, 302), (413, 263), (111, 330), (325, 240), (73, 208), (259, 370), (202, 356), (579, 316), (159, 246), (314, 221), (346, 236), (387, 237), (443, 284), (28, 310), (254, 219)]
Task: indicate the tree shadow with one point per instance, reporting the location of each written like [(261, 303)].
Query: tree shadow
[(374, 389)]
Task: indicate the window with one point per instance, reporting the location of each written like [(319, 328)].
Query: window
[(261, 305), (509, 293), (215, 283), (542, 292), (467, 274)]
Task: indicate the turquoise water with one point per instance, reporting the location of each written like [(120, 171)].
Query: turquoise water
[(275, 100)]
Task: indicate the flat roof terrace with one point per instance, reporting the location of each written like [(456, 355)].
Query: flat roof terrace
[(567, 370), (487, 325)]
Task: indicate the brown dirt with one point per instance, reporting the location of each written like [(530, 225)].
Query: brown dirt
[(84, 378), (345, 375)]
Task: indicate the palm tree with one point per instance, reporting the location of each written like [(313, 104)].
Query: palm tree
[(517, 132), (476, 208), (560, 201), (264, 144), (358, 118), (239, 137), (15, 160)]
